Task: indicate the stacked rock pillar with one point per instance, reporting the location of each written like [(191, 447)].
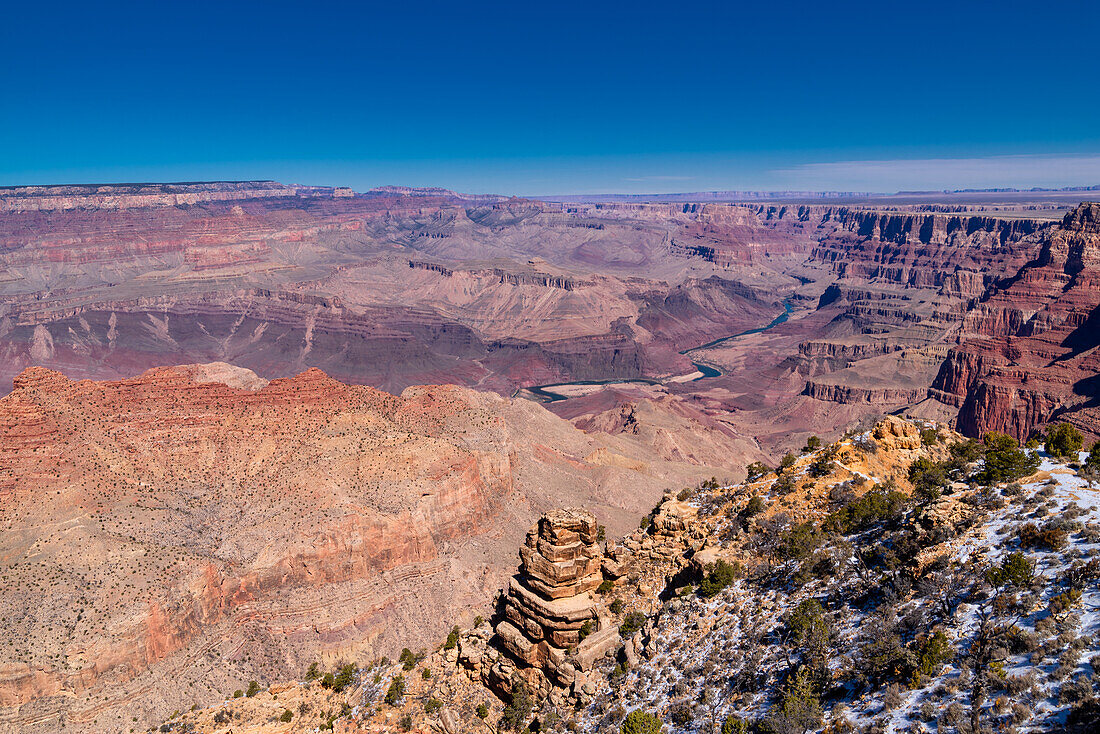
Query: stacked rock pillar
[(554, 628)]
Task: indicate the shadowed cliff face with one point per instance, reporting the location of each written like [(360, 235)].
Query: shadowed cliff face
[(200, 525), (1031, 354)]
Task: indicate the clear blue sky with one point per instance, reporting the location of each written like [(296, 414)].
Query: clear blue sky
[(544, 98)]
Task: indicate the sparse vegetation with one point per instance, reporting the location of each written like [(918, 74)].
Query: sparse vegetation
[(719, 577), (1004, 460), (518, 710), (640, 722), (1063, 441), (396, 692)]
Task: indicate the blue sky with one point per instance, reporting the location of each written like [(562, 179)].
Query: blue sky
[(555, 98)]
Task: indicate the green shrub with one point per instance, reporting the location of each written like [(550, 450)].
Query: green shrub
[(396, 691), (785, 484), (720, 576), (822, 465), (755, 470), (929, 437), (482, 711), (928, 478), (801, 705), (881, 503), (813, 443), (799, 542), (1063, 441), (1004, 460), (518, 710), (432, 705), (452, 639), (344, 678), (966, 451), (287, 716), (313, 672), (807, 623), (616, 606), (406, 723), (734, 725), (238, 693), (933, 652), (631, 624), (786, 462), (1015, 569), (1092, 461), (426, 674), (328, 680), (754, 506), (585, 630), (253, 688), (606, 587), (408, 660), (640, 722)]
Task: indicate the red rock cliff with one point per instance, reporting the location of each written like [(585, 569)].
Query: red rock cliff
[(1031, 355)]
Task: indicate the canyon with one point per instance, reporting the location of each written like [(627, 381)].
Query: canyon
[(251, 426), (397, 287), (203, 525)]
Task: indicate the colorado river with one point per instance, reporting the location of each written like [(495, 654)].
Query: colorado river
[(546, 392)]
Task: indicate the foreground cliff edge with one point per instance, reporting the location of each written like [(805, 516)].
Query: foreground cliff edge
[(170, 537), (900, 579)]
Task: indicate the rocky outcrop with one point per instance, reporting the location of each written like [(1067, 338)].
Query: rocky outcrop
[(544, 280), (847, 351), (852, 394), (554, 628), (1030, 354)]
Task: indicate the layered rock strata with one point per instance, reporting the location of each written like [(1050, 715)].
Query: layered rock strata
[(1030, 355), (203, 525), (554, 629)]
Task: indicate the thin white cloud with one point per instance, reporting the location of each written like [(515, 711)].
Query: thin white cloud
[(1018, 171), (641, 179)]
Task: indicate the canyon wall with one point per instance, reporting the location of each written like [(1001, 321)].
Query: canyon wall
[(1029, 352), (202, 525)]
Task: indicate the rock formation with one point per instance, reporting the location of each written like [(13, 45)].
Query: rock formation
[(203, 525), (554, 628), (1031, 354)]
